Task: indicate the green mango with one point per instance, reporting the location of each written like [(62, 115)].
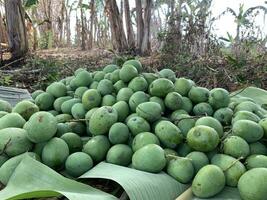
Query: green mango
[(25, 108), (208, 182), (91, 98), (136, 99), (167, 73), (263, 124), (62, 128), (73, 141), (143, 139), (119, 85), (108, 100), (183, 86), (211, 122), (159, 101), (55, 153), (110, 68), (38, 148), (184, 149), (78, 111), (198, 94), (102, 119), (128, 72), (224, 115), (236, 146), (12, 120), (97, 147), (119, 133), (14, 141), (36, 93), (99, 75), (136, 63), (80, 91), (181, 169), (138, 84), (94, 85), (243, 114), (57, 89), (119, 154), (3, 113), (203, 138), (115, 76), (203, 109), (150, 111), (257, 148), (150, 158), (3, 159), (83, 79), (173, 101), (62, 118), (5, 106), (168, 134), (150, 77), (124, 94), (199, 159), (170, 154), (232, 168), (252, 185), (78, 163), (187, 104), (41, 127), (45, 101), (175, 115), (256, 161), (219, 98), (105, 87), (161, 87), (122, 109), (59, 101), (245, 128), (184, 122), (138, 125), (78, 128)]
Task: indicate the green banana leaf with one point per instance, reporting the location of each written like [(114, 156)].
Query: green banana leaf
[(138, 184), (32, 179), (257, 94)]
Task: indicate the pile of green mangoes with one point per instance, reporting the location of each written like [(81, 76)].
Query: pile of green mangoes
[(147, 121)]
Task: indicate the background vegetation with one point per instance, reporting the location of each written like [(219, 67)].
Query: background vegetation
[(43, 40)]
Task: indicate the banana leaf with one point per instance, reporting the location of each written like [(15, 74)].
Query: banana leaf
[(32, 179), (138, 184), (257, 94)]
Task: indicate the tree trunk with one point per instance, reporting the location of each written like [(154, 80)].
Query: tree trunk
[(140, 25), (3, 35), (68, 33), (172, 42), (82, 26), (118, 34), (145, 48), (92, 9), (78, 32), (61, 22), (121, 11), (129, 27), (17, 36), (34, 26)]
